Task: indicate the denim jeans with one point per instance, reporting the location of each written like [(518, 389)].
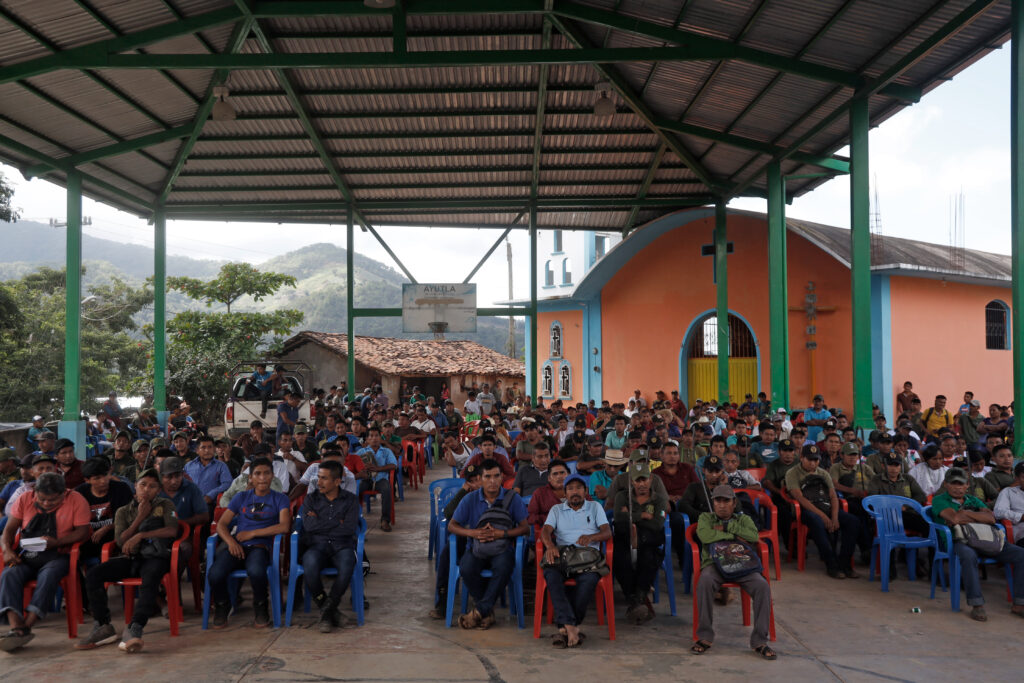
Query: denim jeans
[(255, 563), (1010, 554), (318, 558), (13, 580), (570, 603), (849, 530), (485, 592), (151, 571)]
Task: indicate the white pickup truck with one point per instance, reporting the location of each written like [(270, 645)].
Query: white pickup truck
[(245, 402)]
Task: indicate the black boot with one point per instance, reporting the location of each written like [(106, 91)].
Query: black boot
[(329, 616)]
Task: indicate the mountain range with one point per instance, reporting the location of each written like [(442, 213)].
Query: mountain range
[(318, 268)]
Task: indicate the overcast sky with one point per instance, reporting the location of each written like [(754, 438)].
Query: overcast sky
[(956, 139)]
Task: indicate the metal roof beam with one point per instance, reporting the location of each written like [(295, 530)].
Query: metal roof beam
[(428, 171), (724, 49), (131, 145), (542, 97), (448, 90), (639, 107), (431, 114), (267, 9), (644, 187), (418, 186), (430, 135), (68, 59), (494, 246), (235, 42)]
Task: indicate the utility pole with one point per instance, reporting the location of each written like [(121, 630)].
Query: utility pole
[(511, 320)]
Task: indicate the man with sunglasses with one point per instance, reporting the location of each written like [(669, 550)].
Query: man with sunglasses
[(56, 517)]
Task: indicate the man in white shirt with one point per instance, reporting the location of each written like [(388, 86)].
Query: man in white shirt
[(783, 425), (456, 453), (1010, 504), (472, 405), (639, 400), (291, 461), (486, 400), (422, 421), (307, 484)]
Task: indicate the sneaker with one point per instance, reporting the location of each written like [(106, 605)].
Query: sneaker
[(221, 610), (131, 639), (262, 611), (102, 634)]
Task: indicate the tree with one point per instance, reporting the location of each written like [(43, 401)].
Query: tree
[(8, 213), (203, 347), (234, 281), (113, 353)]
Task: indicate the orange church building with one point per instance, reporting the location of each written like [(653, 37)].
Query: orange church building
[(644, 317)]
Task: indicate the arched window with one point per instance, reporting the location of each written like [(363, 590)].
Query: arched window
[(566, 272), (549, 275), (556, 339), (564, 381), (547, 381), (997, 325)]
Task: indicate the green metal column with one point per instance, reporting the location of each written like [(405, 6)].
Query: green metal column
[(1017, 206), (160, 311), (860, 263), (722, 300), (531, 366), (350, 285), (73, 301), (778, 295)]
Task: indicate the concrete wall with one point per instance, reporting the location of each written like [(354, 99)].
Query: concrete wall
[(938, 342)]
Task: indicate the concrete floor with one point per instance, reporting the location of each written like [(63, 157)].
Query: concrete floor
[(827, 630)]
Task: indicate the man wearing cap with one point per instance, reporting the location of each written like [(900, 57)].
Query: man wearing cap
[(47, 440), (955, 506), (614, 462), (1010, 504), (592, 458), (689, 452), (742, 447), (814, 418), (68, 465), (233, 456), (822, 516), (641, 516), (248, 442), (883, 448), (781, 420), (576, 522), (893, 481), (851, 477), (49, 511), (8, 466), (122, 461), (181, 446), (695, 498), (302, 443), (726, 523), (621, 482), (188, 499), (775, 483), (33, 466), (142, 454), (970, 420), (34, 431)]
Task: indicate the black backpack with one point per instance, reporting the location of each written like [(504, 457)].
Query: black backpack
[(499, 517), (816, 490)]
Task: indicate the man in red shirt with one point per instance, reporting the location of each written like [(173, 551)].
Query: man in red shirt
[(676, 476), (547, 497), (68, 464), (58, 519)]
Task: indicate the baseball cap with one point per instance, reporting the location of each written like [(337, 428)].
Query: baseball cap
[(614, 456), (778, 418), (179, 435), (893, 460), (46, 434), (42, 457), (222, 439), (831, 422), (638, 454), (580, 422), (849, 449), (594, 440), (574, 477), (7, 454), (654, 442), (157, 443), (173, 465), (811, 452), (780, 411), (639, 470), (488, 436), (956, 475), (884, 437), (301, 429), (713, 463), (125, 433), (37, 418), (976, 403), (723, 491), (784, 445), (818, 397), (139, 443), (470, 471)]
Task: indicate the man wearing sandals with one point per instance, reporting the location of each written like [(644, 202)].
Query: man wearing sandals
[(581, 522), (465, 523), (725, 524)]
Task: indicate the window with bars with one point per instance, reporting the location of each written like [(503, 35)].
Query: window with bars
[(997, 335)]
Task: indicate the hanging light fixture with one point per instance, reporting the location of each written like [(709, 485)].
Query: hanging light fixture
[(604, 106), (379, 4), (222, 109)]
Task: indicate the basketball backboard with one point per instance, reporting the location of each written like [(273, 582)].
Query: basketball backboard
[(438, 307)]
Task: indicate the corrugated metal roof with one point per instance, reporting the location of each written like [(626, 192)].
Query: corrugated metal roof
[(463, 133)]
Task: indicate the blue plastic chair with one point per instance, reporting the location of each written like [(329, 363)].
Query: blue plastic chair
[(887, 511), (236, 577), (435, 510), (572, 466), (515, 584), (954, 563), (666, 568), (296, 570), (440, 526)]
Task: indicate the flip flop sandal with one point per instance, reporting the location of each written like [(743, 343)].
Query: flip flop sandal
[(978, 614), (559, 641), (578, 643), (469, 620), (485, 622), (766, 652), (700, 647)]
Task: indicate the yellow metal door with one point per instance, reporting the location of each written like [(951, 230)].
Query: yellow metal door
[(702, 378)]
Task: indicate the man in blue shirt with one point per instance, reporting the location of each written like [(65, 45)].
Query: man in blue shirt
[(766, 449), (581, 522), (287, 413), (187, 498), (34, 431), (260, 380), (814, 418), (380, 461), (212, 476), (464, 523)]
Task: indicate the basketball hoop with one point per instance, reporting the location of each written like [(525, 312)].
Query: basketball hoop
[(438, 328)]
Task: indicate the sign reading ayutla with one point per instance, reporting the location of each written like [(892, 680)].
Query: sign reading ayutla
[(439, 307)]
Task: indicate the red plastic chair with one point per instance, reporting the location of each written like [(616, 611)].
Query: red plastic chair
[(798, 531), (175, 611), (419, 450), (69, 584), (366, 495), (604, 594), (193, 568), (1008, 528), (771, 535), (691, 537), (758, 472), (412, 452)]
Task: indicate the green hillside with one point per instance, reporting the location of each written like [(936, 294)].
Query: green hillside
[(318, 268)]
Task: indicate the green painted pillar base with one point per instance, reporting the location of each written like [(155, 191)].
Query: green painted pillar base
[(74, 430)]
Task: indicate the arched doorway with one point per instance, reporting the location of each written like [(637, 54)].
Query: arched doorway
[(698, 359)]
